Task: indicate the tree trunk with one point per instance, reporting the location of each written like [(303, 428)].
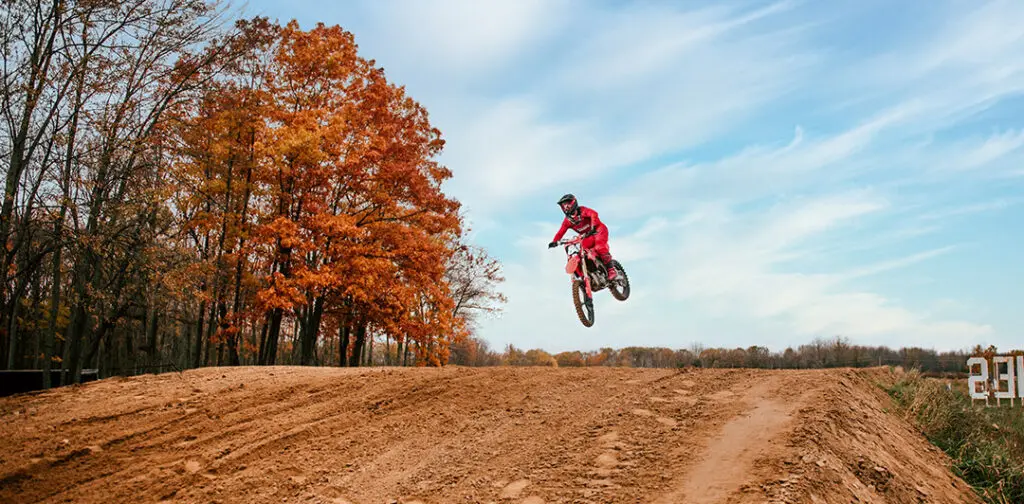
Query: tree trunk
[(12, 335), (197, 358), (369, 350), (310, 331), (58, 227), (102, 333), (270, 358), (261, 357), (357, 347), (399, 348), (76, 333), (152, 351), (233, 358), (222, 325), (278, 313), (235, 336), (239, 262), (51, 331), (37, 338), (296, 327), (344, 330)]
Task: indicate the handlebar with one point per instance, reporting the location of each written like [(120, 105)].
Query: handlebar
[(576, 239)]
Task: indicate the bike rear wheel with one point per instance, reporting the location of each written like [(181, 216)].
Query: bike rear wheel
[(584, 306), (620, 286)]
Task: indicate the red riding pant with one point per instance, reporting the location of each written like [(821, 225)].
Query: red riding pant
[(599, 242)]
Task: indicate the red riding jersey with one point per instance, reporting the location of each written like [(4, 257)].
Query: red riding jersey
[(585, 222)]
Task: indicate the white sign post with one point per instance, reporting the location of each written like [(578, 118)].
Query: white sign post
[(1001, 377), (1003, 372), (978, 379)]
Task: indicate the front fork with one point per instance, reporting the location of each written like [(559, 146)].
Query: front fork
[(589, 301)]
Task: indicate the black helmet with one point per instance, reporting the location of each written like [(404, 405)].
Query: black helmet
[(568, 204)]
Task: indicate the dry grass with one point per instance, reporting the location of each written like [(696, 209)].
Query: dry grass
[(986, 444)]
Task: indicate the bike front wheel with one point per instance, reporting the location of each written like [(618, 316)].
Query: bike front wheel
[(584, 306)]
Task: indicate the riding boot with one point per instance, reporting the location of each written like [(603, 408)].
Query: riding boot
[(607, 260)]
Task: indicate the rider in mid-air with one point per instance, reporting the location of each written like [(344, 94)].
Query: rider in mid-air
[(584, 220)]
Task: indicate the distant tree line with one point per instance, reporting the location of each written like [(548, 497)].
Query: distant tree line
[(819, 353)]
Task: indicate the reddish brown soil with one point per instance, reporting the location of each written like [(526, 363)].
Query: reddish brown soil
[(503, 435)]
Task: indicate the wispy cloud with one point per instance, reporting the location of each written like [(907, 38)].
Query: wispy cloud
[(515, 148), (464, 40), (749, 266), (1000, 151), (622, 94), (748, 226), (751, 173), (895, 264), (770, 172), (960, 211)]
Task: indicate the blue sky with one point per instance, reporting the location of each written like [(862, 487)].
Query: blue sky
[(770, 171)]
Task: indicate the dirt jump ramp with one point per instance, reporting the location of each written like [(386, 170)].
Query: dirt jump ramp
[(462, 435)]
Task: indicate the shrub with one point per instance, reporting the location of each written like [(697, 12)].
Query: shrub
[(984, 443)]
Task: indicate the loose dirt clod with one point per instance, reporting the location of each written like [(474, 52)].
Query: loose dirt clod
[(502, 435)]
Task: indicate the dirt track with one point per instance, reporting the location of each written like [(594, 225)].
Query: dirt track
[(504, 435)]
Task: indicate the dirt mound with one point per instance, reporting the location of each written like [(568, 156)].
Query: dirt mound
[(517, 435)]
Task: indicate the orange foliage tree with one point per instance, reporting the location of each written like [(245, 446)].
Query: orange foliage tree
[(311, 188), (184, 192)]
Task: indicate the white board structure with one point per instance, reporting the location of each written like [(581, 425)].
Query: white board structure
[(1007, 378)]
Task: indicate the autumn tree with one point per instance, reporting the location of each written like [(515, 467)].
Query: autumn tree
[(218, 138), (337, 202), (151, 61), (357, 207), (183, 193), (85, 85), (570, 359), (476, 351)]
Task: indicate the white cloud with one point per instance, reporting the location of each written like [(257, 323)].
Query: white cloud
[(627, 47), (749, 174), (466, 36), (990, 35), (802, 165), (895, 264), (772, 242), (997, 147), (972, 43), (513, 149), (960, 211), (790, 223), (590, 118), (704, 250), (738, 268)]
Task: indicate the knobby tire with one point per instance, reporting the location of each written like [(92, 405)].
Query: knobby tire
[(623, 294), (578, 295)]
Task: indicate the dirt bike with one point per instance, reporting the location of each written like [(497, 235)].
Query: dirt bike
[(589, 275)]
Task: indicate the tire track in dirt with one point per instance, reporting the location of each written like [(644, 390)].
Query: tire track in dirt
[(502, 435), (726, 462), (166, 432)]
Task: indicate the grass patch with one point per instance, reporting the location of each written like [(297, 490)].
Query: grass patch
[(986, 444)]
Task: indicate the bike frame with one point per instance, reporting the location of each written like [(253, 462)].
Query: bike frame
[(576, 263)]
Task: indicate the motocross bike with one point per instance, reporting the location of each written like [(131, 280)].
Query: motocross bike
[(589, 275)]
